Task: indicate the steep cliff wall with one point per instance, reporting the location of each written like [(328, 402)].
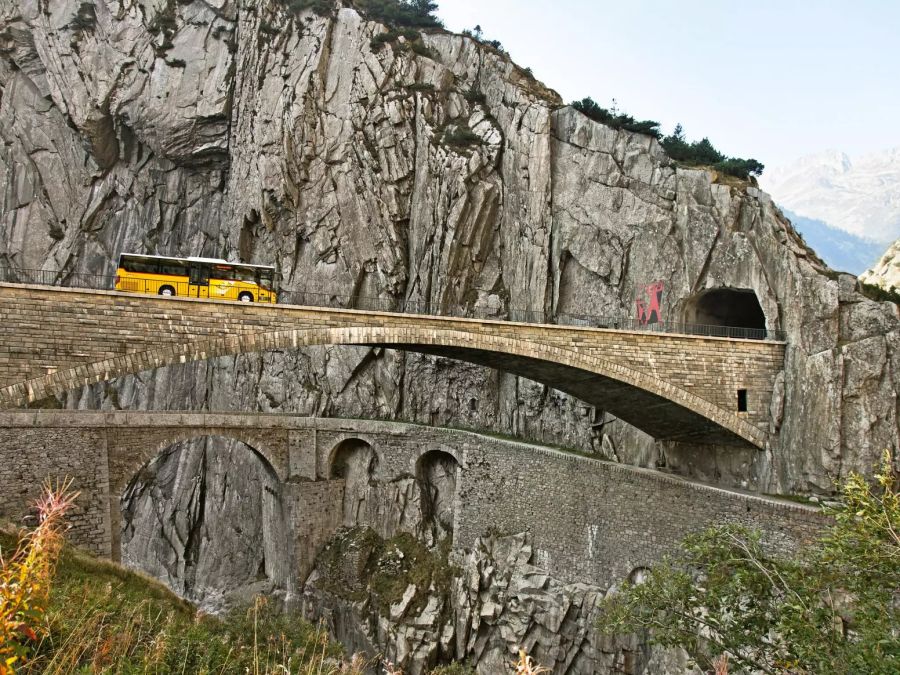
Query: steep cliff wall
[(242, 130)]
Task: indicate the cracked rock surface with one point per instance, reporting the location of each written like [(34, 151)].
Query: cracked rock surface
[(244, 131), (237, 129)]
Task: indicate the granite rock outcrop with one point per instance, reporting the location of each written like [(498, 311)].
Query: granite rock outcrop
[(439, 172)]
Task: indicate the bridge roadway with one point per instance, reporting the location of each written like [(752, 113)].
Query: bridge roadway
[(674, 387)]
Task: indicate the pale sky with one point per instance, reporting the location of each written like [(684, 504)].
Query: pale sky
[(774, 80)]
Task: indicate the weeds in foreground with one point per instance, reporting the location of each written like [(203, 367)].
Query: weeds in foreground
[(526, 665), (25, 578)]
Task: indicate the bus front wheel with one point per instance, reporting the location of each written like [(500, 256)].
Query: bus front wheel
[(167, 291), (246, 297)]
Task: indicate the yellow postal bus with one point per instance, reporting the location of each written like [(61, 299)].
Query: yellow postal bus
[(195, 278)]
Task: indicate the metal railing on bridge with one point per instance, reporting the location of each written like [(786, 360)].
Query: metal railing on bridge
[(319, 298)]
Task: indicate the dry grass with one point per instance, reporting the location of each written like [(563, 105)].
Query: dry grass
[(25, 578), (64, 612)]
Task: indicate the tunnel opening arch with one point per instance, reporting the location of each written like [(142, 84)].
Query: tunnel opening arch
[(727, 307), (354, 461), (438, 474)]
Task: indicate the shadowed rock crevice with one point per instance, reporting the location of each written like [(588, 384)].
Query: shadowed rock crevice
[(437, 473), (208, 522)]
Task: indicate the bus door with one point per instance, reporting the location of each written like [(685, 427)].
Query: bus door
[(199, 282)]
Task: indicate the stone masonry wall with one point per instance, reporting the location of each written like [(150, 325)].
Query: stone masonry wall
[(588, 520), (44, 330), (29, 457)]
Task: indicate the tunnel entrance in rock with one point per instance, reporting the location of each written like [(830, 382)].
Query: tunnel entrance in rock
[(437, 474), (355, 461), (731, 307), (205, 516)]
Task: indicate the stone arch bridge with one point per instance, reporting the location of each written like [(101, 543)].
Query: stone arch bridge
[(588, 520), (674, 387)]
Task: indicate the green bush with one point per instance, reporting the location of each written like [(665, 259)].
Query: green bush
[(828, 607), (880, 294), (320, 7), (85, 19), (616, 120), (703, 153), (420, 48), (698, 153), (460, 136), (405, 13)]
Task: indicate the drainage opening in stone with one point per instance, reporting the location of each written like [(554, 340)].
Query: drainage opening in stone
[(742, 400)]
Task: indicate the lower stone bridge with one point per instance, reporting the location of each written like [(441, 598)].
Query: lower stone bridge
[(674, 387), (588, 520)]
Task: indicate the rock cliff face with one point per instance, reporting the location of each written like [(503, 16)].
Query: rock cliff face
[(497, 603), (442, 173)]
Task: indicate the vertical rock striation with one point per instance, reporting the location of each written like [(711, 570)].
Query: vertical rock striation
[(445, 174)]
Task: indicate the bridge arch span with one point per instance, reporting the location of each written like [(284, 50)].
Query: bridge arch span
[(659, 408), (133, 451)]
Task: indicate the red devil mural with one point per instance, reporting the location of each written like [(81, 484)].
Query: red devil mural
[(648, 307)]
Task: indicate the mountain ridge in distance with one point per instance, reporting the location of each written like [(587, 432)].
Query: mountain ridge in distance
[(858, 195), (842, 250)]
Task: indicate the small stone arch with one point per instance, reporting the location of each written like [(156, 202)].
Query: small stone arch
[(354, 461), (134, 448), (438, 474), (638, 575), (727, 307)]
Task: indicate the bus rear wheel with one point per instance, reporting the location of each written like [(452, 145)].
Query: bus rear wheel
[(168, 291), (246, 297)]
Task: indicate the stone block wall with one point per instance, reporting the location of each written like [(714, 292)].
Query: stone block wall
[(598, 521), (29, 457), (316, 512), (588, 520), (46, 330)]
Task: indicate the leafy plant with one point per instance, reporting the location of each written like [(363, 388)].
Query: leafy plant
[(320, 7), (703, 153), (460, 136), (402, 13), (880, 294), (420, 48), (830, 608), (25, 578), (85, 18), (526, 665)]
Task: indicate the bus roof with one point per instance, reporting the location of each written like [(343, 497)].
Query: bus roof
[(209, 261)]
